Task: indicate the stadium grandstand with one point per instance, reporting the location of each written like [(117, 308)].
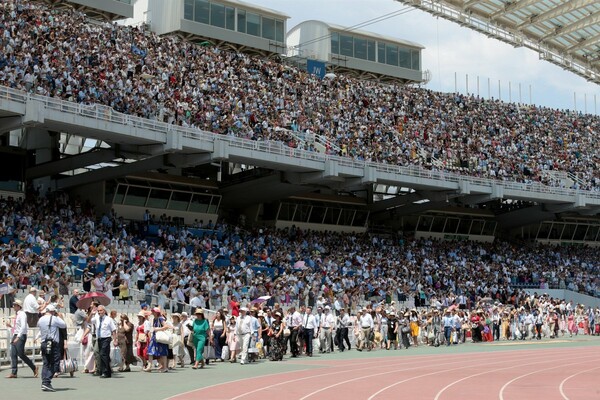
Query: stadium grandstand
[(196, 157), (291, 137)]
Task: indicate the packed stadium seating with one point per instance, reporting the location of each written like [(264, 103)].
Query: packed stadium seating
[(60, 54), (49, 241)]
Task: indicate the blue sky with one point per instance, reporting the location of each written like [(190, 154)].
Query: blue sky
[(451, 49)]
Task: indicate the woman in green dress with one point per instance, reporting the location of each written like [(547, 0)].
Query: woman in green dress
[(201, 330)]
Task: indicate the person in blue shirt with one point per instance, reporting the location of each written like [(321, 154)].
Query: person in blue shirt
[(49, 325)]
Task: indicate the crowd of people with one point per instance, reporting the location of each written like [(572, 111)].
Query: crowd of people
[(59, 53), (43, 234), (160, 342), (359, 286)]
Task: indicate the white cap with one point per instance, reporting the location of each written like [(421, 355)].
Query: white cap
[(50, 308)]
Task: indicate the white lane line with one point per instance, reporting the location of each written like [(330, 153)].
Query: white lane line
[(501, 394), (561, 386)]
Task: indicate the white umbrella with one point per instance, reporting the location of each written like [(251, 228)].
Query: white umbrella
[(330, 75)]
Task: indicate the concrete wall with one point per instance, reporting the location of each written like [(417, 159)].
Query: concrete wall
[(137, 213), (320, 227), (568, 295)]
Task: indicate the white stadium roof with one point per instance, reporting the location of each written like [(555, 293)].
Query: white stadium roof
[(566, 33)]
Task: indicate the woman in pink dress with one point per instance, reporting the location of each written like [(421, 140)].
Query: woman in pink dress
[(586, 325), (142, 339), (232, 341), (571, 325)]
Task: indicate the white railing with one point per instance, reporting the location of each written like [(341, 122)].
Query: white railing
[(325, 142), (580, 182), (105, 113)]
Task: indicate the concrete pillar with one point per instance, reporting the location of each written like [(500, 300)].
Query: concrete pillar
[(45, 145)]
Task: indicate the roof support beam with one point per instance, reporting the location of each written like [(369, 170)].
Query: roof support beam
[(409, 200), (10, 123), (103, 174), (511, 7), (586, 42), (567, 6), (469, 3), (71, 163), (582, 23)]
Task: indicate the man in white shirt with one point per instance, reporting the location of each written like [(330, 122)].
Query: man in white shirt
[(197, 302), (106, 328), (31, 307), (244, 332), (309, 325), (180, 294), (448, 324), (367, 325), (140, 273), (327, 327), (18, 339), (342, 329), (295, 325)]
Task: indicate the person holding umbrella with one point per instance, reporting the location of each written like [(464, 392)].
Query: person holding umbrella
[(86, 300)]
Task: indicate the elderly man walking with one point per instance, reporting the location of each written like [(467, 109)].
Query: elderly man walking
[(106, 329), (31, 307), (244, 332), (18, 339)]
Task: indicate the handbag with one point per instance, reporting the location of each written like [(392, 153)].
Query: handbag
[(68, 365), (225, 353), (209, 352), (142, 338), (85, 340), (287, 332), (115, 356), (405, 329), (79, 335), (177, 341), (164, 337)]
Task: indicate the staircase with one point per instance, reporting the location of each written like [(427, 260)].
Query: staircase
[(559, 178)]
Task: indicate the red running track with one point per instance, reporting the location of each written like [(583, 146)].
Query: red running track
[(562, 373)]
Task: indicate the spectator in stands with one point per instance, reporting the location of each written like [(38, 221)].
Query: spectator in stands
[(31, 307), (73, 301)]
